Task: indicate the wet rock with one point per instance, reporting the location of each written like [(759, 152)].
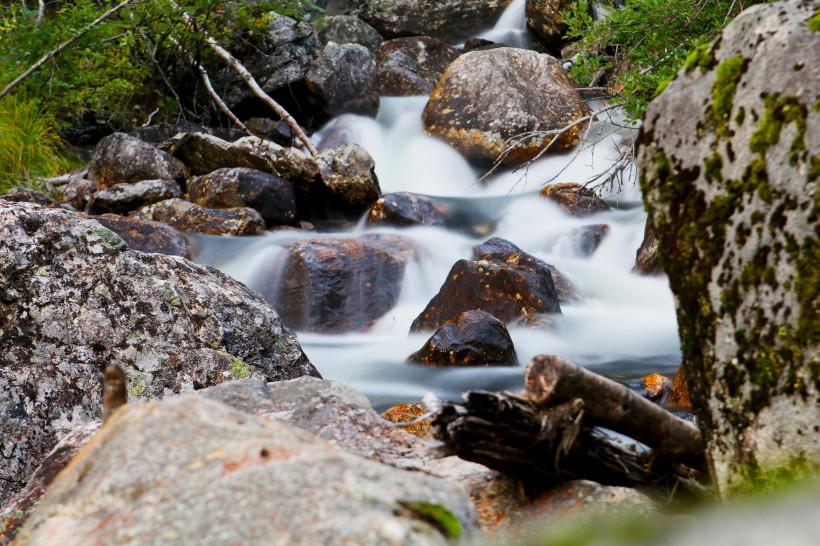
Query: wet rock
[(449, 20), (502, 250), (584, 499), (412, 66), (338, 285), (474, 338), (587, 239), (269, 129), (679, 392), (25, 195), (76, 193), (402, 209), (350, 185), (479, 43), (655, 386), (146, 235), (486, 97), (647, 261), (574, 199), (545, 19), (410, 413), (121, 159), (196, 457), (74, 300), (187, 216), (343, 80), (271, 196), (123, 198), (349, 29)]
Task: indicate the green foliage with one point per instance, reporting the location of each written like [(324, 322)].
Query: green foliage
[(646, 42)]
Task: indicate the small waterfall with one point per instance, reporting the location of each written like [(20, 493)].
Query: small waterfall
[(511, 28)]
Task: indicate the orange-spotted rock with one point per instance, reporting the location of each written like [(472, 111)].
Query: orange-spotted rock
[(407, 413), (679, 392), (654, 386), (474, 338), (574, 199)]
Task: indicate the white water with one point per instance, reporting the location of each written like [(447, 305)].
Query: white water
[(625, 326)]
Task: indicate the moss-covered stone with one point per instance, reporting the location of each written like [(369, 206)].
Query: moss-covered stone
[(701, 57)]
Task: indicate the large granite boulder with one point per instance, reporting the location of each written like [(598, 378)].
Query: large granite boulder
[(412, 66), (73, 300), (474, 338), (730, 161), (489, 96), (186, 216), (449, 20), (343, 80), (195, 471), (120, 159)]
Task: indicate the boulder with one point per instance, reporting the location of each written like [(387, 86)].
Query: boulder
[(76, 193), (211, 474), (729, 156), (349, 182), (474, 338), (343, 80), (25, 195), (647, 261), (574, 199), (146, 235), (74, 300), (487, 97), (402, 209), (187, 216), (338, 285), (587, 239), (123, 198), (271, 196), (120, 159), (545, 19), (412, 66), (276, 131), (349, 29), (449, 20)]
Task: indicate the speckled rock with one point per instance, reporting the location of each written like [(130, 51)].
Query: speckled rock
[(474, 338), (350, 185), (574, 199), (73, 300), (76, 193), (349, 29), (123, 198), (401, 209), (25, 195), (729, 156), (585, 499), (343, 80), (544, 18), (187, 216), (486, 97), (209, 474), (146, 235), (449, 20), (412, 66), (120, 159), (647, 260), (271, 196)]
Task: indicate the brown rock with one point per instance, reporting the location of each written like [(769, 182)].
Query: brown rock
[(412, 66), (583, 498), (545, 19), (655, 386), (147, 235), (406, 413), (646, 258), (474, 338), (24, 195), (402, 209), (679, 392), (574, 199), (187, 216)]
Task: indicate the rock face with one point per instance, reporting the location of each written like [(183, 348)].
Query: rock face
[(412, 66), (187, 216), (486, 97), (74, 300), (449, 20), (272, 197), (403, 209), (730, 154), (186, 469), (647, 261), (474, 338), (122, 198), (338, 285), (575, 199), (147, 236), (349, 29), (120, 159), (343, 80), (544, 18)]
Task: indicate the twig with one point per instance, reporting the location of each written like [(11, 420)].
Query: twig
[(41, 13)]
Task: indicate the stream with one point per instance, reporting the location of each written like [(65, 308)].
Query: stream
[(624, 327)]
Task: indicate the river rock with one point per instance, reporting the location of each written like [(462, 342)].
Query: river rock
[(349, 29), (25, 195), (123, 198), (349, 182), (272, 197), (338, 285), (449, 20), (545, 18), (343, 80), (74, 300), (647, 260), (574, 199), (587, 239), (729, 156), (474, 338), (502, 250), (146, 235), (654, 386), (187, 216), (587, 499), (76, 193), (120, 159), (412, 66), (487, 97), (679, 392), (208, 473), (402, 209), (274, 130)]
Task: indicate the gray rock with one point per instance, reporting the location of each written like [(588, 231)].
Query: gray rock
[(729, 156), (412, 66), (349, 29), (147, 235), (120, 159), (76, 193), (186, 216), (25, 195), (123, 198), (350, 182), (191, 470), (450, 20), (74, 300), (488, 96), (343, 80)]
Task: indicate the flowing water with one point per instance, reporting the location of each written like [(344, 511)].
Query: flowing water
[(624, 327)]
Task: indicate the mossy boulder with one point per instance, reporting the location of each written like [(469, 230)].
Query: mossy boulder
[(730, 159)]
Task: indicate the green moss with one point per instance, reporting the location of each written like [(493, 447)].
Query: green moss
[(438, 515), (111, 240), (728, 75), (176, 302), (779, 112), (138, 386), (756, 178), (813, 22), (239, 369), (740, 116), (701, 57), (814, 171), (714, 165), (663, 85)]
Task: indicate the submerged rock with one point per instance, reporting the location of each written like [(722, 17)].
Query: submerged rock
[(474, 338), (587, 239), (146, 235), (343, 80), (487, 97), (123, 198), (74, 300), (121, 159), (412, 66), (575, 199), (187, 216)]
